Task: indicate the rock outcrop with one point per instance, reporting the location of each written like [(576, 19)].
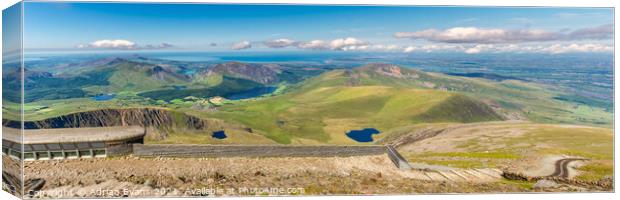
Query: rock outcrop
[(146, 117)]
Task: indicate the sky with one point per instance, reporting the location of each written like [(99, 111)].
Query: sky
[(404, 29), (11, 37)]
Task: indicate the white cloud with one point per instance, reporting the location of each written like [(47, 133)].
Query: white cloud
[(314, 44), (110, 44), (428, 48), (440, 48), (576, 48), (513, 48), (341, 44), (354, 44), (497, 35), (354, 48), (473, 50), (409, 49), (548, 48), (121, 44), (486, 47), (159, 46), (604, 31), (380, 47), (347, 44), (279, 43), (241, 45), (478, 35)]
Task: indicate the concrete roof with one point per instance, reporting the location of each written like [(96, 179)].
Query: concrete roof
[(66, 135)]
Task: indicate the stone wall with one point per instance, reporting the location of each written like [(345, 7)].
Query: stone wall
[(154, 150)]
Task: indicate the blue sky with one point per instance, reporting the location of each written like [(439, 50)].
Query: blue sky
[(135, 26)]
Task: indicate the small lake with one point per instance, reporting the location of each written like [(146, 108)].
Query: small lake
[(256, 92), (219, 135), (104, 97), (364, 135)]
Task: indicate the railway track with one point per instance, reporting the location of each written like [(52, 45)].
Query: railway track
[(561, 167)]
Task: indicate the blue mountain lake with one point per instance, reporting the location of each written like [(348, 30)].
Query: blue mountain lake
[(364, 135), (104, 97), (219, 135)]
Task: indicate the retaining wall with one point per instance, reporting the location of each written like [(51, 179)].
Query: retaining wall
[(176, 150)]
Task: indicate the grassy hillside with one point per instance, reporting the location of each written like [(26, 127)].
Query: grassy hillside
[(460, 108), (323, 108), (511, 98)]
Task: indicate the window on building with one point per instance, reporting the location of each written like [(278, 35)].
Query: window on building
[(99, 152), (42, 155), (57, 155), (29, 156), (85, 154), (71, 154)]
